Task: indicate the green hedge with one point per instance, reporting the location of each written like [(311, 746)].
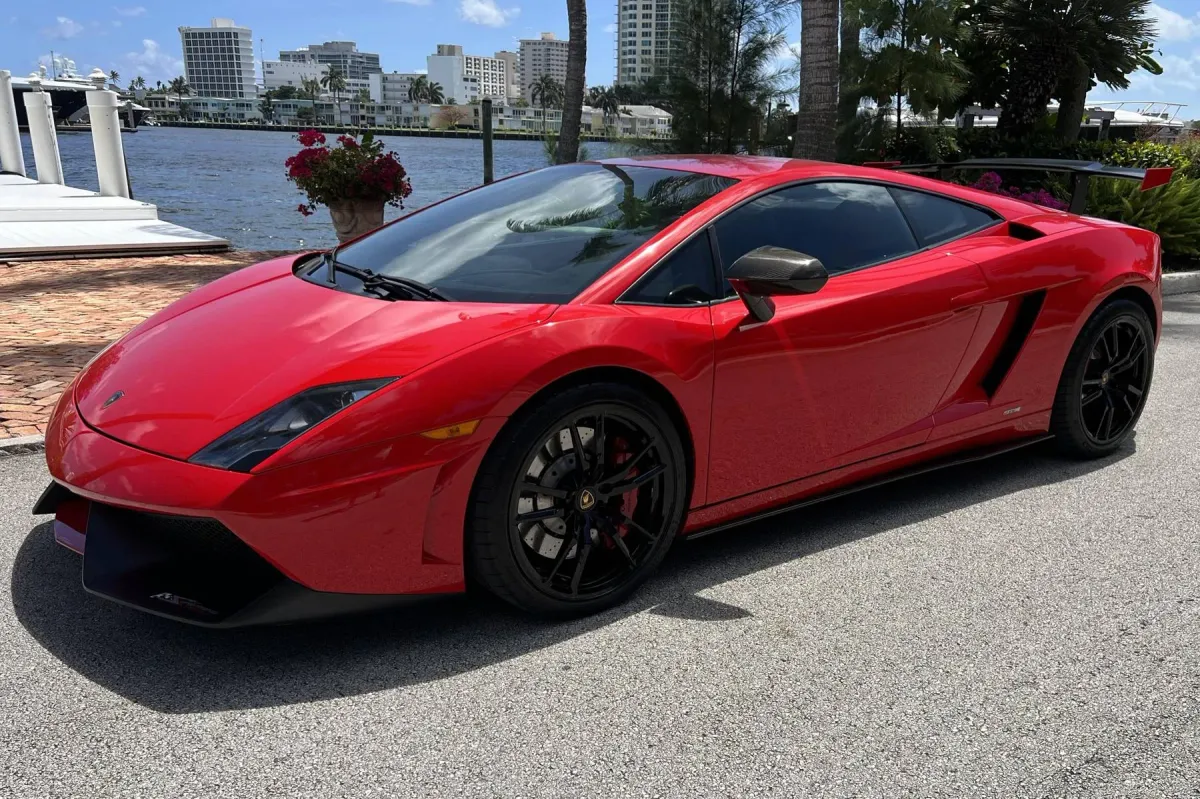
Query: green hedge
[(1172, 211)]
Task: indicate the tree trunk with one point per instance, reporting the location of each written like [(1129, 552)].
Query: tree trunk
[(1072, 91), (816, 118), (1032, 78), (851, 48), (572, 114)]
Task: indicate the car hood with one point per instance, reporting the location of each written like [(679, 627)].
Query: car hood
[(238, 346)]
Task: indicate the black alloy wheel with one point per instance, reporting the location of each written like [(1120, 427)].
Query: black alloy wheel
[(1106, 381), (1115, 380), (591, 502)]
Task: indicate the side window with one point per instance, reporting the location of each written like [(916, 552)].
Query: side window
[(845, 225), (685, 277), (936, 219)]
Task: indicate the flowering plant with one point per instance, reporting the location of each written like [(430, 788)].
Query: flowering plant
[(990, 181), (353, 170)]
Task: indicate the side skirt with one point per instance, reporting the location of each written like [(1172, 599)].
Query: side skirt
[(902, 474)]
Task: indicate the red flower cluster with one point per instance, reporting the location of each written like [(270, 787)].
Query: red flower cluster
[(385, 175), (353, 169), (308, 138), (301, 164)]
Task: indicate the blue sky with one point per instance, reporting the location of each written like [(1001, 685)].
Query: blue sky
[(140, 37)]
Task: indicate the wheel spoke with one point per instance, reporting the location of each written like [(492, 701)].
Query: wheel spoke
[(1106, 422), (619, 543), (546, 491), (1088, 399), (632, 462), (1110, 350), (598, 448), (1129, 405), (1091, 383), (579, 567), (637, 482), (563, 551), (1130, 360), (635, 526), (538, 515), (577, 447), (1134, 390)]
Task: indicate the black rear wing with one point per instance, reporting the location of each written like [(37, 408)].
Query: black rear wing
[(1080, 172)]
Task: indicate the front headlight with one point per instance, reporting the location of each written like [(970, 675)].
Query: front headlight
[(249, 444)]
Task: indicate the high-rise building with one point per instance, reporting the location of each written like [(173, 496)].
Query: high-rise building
[(544, 56), (345, 57), (643, 39), (512, 73), (218, 61), (491, 76)]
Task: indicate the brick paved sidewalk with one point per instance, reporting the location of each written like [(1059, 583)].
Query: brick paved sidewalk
[(55, 315)]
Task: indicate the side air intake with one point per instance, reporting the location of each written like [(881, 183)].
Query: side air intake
[(1027, 313)]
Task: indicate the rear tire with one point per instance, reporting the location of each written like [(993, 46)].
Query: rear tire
[(557, 531), (1105, 382)]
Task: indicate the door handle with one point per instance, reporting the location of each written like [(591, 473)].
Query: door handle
[(964, 301)]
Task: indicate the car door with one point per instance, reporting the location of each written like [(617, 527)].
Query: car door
[(850, 372)]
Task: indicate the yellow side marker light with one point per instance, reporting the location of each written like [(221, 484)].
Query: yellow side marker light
[(452, 431)]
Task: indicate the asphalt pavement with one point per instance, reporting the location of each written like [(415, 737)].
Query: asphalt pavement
[(1021, 627)]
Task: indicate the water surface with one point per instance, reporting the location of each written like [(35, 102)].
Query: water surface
[(232, 184)]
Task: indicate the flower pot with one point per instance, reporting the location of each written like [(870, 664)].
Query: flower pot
[(352, 218)]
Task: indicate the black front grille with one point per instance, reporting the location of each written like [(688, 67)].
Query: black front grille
[(183, 566)]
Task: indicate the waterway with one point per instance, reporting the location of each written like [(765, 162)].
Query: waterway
[(232, 183)]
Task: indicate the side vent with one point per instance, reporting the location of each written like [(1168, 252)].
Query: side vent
[(1027, 313), (1023, 232)]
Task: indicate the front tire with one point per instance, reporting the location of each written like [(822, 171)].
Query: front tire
[(1105, 382), (578, 501)]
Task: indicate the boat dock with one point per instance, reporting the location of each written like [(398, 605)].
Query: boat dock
[(44, 218)]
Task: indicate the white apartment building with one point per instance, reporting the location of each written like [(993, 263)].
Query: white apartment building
[(544, 56), (492, 75), (218, 61), (355, 65), (512, 73), (391, 88), (291, 73), (643, 39)]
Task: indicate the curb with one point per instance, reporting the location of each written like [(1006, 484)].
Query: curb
[(1180, 283), (22, 446)]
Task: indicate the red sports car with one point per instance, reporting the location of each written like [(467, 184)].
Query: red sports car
[(538, 385)]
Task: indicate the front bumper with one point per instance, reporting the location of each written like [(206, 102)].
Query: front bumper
[(330, 535), (187, 568)]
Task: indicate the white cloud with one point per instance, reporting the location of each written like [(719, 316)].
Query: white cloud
[(152, 63), (1174, 27), (64, 28), (420, 71), (116, 23), (610, 27), (132, 11), (486, 12), (412, 2)]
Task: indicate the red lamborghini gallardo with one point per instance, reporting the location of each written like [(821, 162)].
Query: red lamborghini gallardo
[(538, 385)]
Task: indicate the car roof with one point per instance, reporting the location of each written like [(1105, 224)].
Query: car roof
[(747, 167)]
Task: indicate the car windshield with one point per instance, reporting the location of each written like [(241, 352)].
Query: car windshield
[(539, 237)]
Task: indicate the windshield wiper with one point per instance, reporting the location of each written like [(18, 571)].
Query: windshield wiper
[(374, 281)]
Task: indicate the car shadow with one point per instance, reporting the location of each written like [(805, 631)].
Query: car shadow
[(175, 668)]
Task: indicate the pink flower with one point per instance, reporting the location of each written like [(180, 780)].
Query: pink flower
[(347, 141)]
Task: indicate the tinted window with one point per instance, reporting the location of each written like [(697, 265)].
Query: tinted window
[(937, 219), (685, 277), (844, 225), (539, 237)]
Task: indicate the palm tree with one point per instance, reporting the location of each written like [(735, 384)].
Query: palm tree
[(335, 83), (572, 117), (816, 118), (605, 99), (433, 93), (179, 88), (137, 83), (267, 108), (363, 96), (310, 88), (114, 76), (418, 89), (1064, 44), (546, 92)]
